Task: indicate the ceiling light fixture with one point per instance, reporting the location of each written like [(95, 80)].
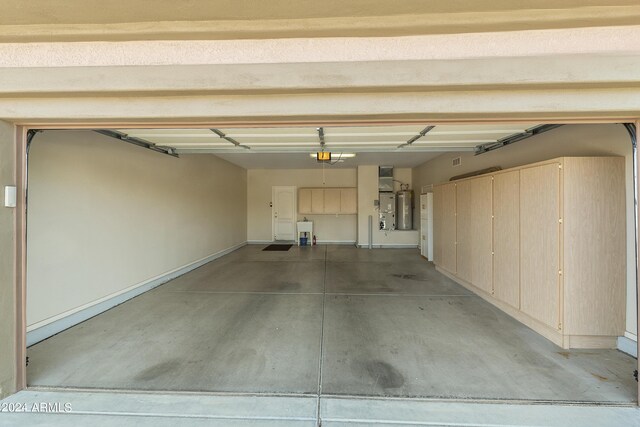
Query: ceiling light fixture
[(339, 155)]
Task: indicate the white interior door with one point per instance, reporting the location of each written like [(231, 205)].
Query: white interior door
[(284, 213)]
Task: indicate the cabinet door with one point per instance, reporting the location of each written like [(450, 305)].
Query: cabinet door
[(482, 233), (449, 227), (304, 201), (437, 225), (331, 200), (540, 242), (317, 200), (464, 231), (348, 201), (506, 237)]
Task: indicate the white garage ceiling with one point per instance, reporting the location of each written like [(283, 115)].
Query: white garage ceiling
[(308, 139), (289, 147)]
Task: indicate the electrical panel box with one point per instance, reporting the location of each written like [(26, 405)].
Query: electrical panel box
[(387, 212)]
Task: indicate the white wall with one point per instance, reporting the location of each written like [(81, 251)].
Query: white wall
[(367, 194), (327, 228), (105, 216), (570, 140)]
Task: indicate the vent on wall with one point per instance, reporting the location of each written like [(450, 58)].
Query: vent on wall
[(456, 162)]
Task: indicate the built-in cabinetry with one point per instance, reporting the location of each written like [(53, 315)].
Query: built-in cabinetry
[(544, 242), (312, 201)]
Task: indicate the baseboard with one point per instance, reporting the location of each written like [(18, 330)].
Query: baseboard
[(390, 246), (627, 344), (336, 242), (54, 325), (320, 242)]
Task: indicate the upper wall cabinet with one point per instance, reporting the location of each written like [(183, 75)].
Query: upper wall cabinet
[(348, 201), (332, 200), (325, 201), (317, 201), (304, 200)]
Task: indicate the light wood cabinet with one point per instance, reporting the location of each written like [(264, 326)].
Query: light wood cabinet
[(304, 200), (320, 201), (473, 232), (449, 227), (482, 236), (594, 248), (540, 240), (437, 225), (506, 237), (317, 201), (555, 235), (464, 230), (332, 200), (348, 201)]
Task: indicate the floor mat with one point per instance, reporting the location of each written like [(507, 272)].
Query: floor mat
[(277, 248)]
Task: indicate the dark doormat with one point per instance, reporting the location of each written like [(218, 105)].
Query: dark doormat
[(277, 248)]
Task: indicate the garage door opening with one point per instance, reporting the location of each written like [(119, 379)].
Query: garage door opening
[(146, 268)]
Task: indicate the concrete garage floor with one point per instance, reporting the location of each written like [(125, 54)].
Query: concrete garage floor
[(334, 321)]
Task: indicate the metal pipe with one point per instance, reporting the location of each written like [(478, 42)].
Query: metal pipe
[(370, 232)]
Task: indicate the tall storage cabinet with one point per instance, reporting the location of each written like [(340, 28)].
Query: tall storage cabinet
[(437, 225), (482, 236), (449, 227), (506, 237), (474, 232), (540, 233), (594, 250), (544, 242)]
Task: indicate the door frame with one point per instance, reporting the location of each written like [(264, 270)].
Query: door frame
[(21, 182), (273, 206)]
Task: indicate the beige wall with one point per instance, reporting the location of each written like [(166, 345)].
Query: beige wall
[(7, 264), (333, 228), (105, 216), (367, 194), (570, 140)]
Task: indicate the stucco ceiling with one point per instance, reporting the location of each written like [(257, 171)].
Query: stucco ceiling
[(124, 11), (230, 19)]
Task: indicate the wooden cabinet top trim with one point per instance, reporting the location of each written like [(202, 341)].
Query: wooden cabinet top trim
[(558, 160)]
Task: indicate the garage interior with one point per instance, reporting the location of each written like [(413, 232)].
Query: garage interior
[(146, 268)]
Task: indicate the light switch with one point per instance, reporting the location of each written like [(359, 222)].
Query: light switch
[(10, 196)]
